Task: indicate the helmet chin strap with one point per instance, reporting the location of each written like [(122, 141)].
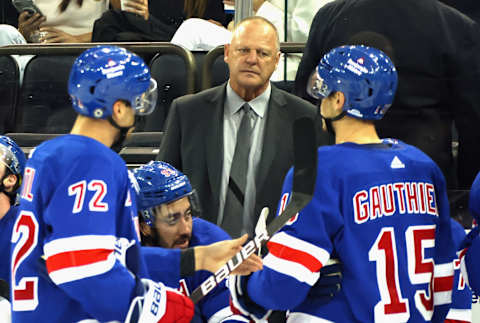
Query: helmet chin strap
[(329, 121), (117, 145)]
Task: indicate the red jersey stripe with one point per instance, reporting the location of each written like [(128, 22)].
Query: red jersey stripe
[(76, 258), (294, 255), (443, 284)]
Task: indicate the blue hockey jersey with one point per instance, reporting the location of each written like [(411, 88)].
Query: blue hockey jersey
[(6, 225), (214, 307), (382, 209), (461, 307), (73, 230)]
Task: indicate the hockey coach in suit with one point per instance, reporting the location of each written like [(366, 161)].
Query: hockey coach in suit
[(203, 137)]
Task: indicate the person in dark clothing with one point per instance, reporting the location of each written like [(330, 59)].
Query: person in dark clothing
[(470, 8), (164, 19), (435, 50)]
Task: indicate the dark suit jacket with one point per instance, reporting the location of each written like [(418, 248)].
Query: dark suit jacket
[(435, 50), (193, 143)]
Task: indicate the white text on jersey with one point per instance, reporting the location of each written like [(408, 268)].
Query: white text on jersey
[(388, 199)]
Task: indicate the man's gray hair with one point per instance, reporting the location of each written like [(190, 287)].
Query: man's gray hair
[(266, 21)]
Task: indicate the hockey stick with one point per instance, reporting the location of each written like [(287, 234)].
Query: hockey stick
[(304, 176)]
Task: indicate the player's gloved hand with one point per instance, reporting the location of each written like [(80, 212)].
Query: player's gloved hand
[(241, 303), (160, 304), (329, 283)]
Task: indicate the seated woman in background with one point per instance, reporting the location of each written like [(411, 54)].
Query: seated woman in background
[(63, 21), (165, 16)]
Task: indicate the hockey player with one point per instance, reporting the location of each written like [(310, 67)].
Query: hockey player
[(461, 307), (167, 205), (75, 251), (12, 164), (379, 205), (470, 261)]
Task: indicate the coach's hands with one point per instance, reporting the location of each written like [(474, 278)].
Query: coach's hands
[(215, 255)]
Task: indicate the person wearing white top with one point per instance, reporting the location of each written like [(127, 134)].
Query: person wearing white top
[(201, 35)]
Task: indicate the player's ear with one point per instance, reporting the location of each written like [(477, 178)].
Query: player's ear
[(119, 109), (145, 229), (10, 181), (339, 100)]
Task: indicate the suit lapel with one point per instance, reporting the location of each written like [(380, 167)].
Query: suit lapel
[(214, 140), (276, 123)]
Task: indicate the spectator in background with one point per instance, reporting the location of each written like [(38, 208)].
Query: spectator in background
[(202, 132), (435, 49), (62, 21), (200, 34), (470, 8), (160, 25)]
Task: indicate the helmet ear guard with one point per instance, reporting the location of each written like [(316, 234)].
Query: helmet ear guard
[(366, 76)]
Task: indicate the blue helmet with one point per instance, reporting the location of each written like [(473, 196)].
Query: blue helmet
[(365, 75), (12, 156), (160, 183), (104, 74)]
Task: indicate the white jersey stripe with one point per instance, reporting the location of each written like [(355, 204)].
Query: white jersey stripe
[(443, 270), (297, 317), (291, 268), (460, 314), (86, 242), (442, 298)]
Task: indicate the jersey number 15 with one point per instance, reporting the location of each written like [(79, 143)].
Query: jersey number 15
[(393, 307)]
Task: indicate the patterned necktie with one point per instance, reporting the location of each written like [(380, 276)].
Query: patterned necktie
[(234, 202)]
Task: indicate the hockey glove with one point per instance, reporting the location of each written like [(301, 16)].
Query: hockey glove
[(241, 303), (328, 285), (160, 304)]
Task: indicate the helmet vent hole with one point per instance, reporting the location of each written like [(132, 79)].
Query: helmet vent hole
[(92, 89)]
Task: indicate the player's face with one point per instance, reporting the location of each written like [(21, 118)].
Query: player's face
[(252, 57), (173, 223)]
